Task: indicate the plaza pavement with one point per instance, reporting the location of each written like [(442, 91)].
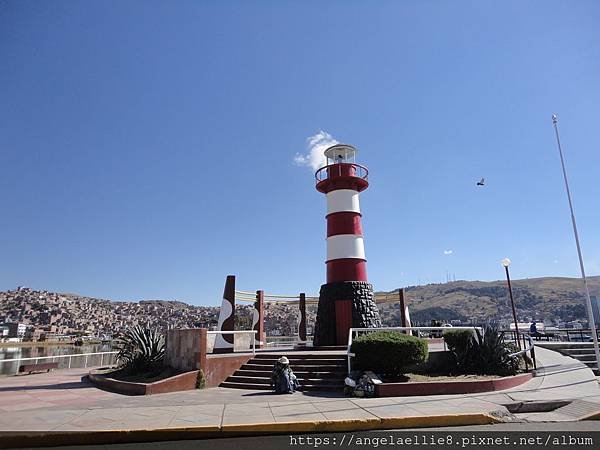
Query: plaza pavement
[(60, 402)]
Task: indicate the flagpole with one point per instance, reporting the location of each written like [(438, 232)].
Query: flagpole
[(585, 285)]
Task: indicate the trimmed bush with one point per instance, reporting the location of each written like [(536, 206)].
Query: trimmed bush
[(388, 352), (459, 343), (457, 339)]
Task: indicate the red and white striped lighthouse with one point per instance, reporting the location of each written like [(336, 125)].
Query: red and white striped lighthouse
[(342, 180), (346, 300)]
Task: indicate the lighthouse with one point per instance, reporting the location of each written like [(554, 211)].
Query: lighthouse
[(346, 299)]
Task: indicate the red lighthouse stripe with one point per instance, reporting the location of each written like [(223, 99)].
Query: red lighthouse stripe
[(346, 270), (343, 223)]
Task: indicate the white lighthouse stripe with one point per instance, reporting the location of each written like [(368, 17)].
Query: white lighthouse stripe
[(342, 200), (345, 246)]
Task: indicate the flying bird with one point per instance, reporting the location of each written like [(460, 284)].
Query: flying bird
[(481, 182)]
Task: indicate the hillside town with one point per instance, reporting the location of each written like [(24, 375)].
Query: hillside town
[(38, 315)]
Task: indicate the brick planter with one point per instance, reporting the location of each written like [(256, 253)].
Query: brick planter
[(181, 382), (450, 387)]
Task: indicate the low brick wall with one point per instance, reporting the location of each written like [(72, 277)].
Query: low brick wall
[(449, 387), (181, 382), (183, 349), (219, 367), (189, 349)]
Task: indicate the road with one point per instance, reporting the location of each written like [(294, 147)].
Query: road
[(317, 441)]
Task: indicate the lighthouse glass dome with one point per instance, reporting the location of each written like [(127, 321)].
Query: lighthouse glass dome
[(340, 153)]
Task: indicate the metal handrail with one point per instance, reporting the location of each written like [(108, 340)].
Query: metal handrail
[(56, 356), (72, 355), (525, 350), (352, 330), (323, 173), (244, 292), (530, 349)]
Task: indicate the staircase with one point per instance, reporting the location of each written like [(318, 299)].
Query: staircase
[(582, 351), (315, 371)]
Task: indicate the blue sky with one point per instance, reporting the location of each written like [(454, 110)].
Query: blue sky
[(147, 148)]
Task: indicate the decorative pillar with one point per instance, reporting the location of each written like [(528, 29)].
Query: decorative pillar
[(224, 342), (302, 325), (347, 299), (258, 319), (404, 316)]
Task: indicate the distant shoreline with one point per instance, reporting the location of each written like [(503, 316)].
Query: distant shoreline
[(44, 344)]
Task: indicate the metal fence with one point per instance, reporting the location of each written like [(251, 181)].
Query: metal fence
[(73, 361), (555, 335)]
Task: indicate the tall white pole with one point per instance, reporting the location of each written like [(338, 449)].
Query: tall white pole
[(585, 285)]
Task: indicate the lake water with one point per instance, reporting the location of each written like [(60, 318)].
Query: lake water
[(38, 352)]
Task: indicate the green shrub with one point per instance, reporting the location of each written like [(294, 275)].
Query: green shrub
[(141, 350), (459, 343), (388, 352), (200, 380)]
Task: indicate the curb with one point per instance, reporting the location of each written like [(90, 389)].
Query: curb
[(56, 438), (591, 416)]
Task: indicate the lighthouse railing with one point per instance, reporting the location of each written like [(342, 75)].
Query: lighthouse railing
[(353, 331), (339, 170)]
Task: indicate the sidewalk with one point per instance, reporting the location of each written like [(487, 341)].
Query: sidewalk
[(61, 402)]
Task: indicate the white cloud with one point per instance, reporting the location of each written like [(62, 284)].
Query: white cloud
[(315, 146), (448, 252)]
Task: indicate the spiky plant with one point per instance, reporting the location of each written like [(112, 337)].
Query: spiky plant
[(141, 349), (491, 355)]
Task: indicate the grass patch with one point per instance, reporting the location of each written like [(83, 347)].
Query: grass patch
[(421, 378)]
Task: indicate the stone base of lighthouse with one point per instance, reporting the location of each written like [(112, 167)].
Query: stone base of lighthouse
[(344, 305)]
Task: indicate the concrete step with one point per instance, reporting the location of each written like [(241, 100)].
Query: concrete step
[(296, 367), (230, 384), (302, 381), (583, 357), (564, 345), (341, 374), (266, 387), (296, 357), (328, 348), (579, 351), (323, 372), (303, 362)]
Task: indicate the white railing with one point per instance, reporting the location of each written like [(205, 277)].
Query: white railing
[(238, 332), (286, 341), (355, 330), (52, 358)]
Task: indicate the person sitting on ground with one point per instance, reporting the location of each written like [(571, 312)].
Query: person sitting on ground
[(283, 380)]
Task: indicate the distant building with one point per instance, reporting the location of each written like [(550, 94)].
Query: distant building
[(13, 330)]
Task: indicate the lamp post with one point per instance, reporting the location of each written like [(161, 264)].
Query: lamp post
[(506, 263), (590, 312)]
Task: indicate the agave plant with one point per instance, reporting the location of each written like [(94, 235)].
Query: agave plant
[(141, 349), (491, 355)]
